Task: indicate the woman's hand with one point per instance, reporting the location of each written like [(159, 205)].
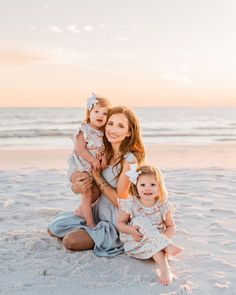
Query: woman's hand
[(96, 164), (135, 233), (96, 174), (82, 185)]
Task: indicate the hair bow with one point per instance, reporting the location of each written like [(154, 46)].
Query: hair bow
[(133, 173), (91, 101)]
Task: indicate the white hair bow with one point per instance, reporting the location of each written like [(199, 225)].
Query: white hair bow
[(91, 101), (133, 173)]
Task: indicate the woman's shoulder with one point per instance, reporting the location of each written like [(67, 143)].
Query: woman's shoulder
[(130, 157)]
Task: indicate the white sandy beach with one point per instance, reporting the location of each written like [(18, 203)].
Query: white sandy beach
[(201, 181)]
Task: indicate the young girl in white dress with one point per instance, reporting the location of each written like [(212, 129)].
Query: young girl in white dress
[(88, 153), (146, 222)]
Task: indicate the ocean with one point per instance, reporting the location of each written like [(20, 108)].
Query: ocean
[(49, 128)]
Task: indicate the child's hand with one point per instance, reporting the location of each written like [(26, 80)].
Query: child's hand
[(96, 164), (135, 233)]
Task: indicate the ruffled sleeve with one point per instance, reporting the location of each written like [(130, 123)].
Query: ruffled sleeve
[(81, 128), (126, 205), (165, 208), (130, 157)]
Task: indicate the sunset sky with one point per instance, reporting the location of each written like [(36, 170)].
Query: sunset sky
[(135, 52)]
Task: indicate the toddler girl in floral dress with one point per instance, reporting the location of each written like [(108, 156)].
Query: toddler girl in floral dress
[(146, 222), (88, 153)]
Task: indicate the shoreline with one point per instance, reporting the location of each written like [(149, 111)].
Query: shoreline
[(164, 156)]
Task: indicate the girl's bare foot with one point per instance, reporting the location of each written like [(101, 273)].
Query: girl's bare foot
[(173, 250), (78, 212), (91, 224), (166, 276)]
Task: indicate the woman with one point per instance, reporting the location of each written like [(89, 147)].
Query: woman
[(123, 146)]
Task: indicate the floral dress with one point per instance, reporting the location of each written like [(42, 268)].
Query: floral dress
[(94, 140), (151, 224)]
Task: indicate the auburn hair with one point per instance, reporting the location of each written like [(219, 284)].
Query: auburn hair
[(132, 143)]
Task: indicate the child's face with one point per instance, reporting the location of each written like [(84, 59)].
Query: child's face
[(98, 116), (147, 187)]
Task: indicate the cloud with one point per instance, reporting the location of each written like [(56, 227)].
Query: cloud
[(102, 26), (88, 28), (54, 29), (73, 29), (18, 56), (32, 27), (122, 38)]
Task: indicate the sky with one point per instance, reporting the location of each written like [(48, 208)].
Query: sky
[(164, 53)]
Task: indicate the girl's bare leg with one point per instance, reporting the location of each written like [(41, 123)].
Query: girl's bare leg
[(173, 250), (166, 276), (85, 209), (78, 240)]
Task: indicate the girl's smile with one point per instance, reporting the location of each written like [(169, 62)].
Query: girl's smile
[(148, 189), (98, 116)]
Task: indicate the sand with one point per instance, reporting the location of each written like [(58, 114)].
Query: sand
[(163, 155), (201, 181)]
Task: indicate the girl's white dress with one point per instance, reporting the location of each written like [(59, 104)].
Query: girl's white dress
[(94, 140), (151, 223)]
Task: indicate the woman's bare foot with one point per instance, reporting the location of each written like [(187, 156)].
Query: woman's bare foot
[(173, 250)]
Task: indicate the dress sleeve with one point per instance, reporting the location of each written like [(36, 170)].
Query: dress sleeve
[(81, 128), (165, 208), (130, 157), (126, 205)]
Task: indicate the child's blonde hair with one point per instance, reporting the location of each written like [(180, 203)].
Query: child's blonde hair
[(151, 170), (101, 101)]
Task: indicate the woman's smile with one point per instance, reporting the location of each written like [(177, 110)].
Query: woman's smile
[(117, 128)]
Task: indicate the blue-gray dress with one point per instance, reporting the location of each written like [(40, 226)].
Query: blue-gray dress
[(105, 234)]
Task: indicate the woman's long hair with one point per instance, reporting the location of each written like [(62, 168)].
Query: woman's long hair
[(133, 143)]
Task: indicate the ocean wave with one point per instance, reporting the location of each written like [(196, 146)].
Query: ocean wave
[(36, 133), (31, 133)]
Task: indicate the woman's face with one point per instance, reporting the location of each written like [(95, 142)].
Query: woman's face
[(117, 128)]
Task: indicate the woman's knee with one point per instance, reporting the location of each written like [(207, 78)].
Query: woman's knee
[(78, 240)]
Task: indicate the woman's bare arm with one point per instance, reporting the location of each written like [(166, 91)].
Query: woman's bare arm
[(123, 185), (105, 188)]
